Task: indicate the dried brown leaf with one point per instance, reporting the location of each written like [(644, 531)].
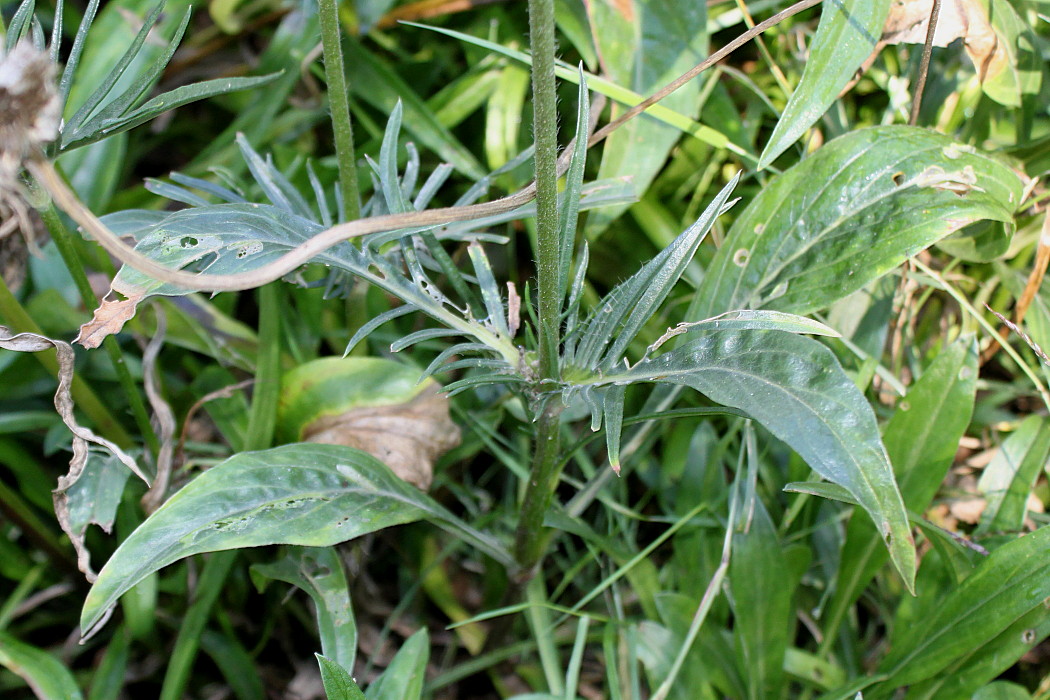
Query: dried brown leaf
[(31, 342), (162, 413), (109, 319), (909, 20), (407, 437)]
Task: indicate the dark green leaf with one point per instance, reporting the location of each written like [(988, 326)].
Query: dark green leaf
[(1007, 585), (848, 33), (338, 684), (796, 388)]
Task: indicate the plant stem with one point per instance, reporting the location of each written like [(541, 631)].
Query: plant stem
[(546, 465), (338, 103), (529, 545), (545, 135), (924, 63), (67, 249)]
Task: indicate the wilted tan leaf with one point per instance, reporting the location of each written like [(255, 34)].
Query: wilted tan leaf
[(909, 20), (109, 319), (162, 414), (407, 437), (30, 342)]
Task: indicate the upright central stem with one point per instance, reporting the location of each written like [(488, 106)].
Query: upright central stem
[(543, 476), (545, 136)]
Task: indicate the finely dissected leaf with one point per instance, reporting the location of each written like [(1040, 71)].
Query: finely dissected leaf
[(643, 45), (1009, 478), (1011, 582), (45, 674), (376, 83), (338, 684), (796, 388), (847, 34), (403, 678), (319, 572), (849, 214), (921, 439), (304, 494)]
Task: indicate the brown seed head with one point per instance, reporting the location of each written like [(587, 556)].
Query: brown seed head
[(30, 114), (29, 106)]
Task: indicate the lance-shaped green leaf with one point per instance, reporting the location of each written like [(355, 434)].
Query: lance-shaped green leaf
[(45, 674), (847, 34), (921, 439), (403, 678), (643, 45), (619, 316), (569, 206), (1009, 478), (1011, 582), (763, 581), (306, 494), (796, 388), (850, 213), (338, 684), (984, 663), (319, 572)]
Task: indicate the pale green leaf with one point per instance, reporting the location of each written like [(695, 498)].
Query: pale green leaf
[(306, 494), (850, 213), (45, 674)]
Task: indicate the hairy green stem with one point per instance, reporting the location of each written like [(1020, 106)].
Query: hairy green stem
[(529, 546), (545, 135), (338, 103), (67, 249)]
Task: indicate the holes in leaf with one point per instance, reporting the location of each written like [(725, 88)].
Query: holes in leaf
[(898, 178), (741, 257), (247, 249), (1028, 636), (188, 242)]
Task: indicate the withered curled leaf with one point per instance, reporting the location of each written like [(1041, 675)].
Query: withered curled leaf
[(372, 404), (31, 342), (407, 437)]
